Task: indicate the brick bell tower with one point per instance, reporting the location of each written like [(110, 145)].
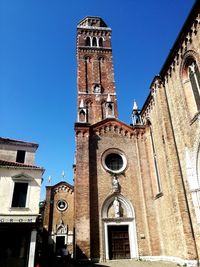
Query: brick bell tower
[(96, 86), (96, 102)]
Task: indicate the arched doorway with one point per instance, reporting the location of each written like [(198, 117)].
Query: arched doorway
[(120, 239)]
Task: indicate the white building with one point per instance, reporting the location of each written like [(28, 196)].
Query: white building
[(20, 182)]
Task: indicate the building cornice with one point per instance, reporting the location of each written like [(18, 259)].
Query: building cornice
[(14, 142)]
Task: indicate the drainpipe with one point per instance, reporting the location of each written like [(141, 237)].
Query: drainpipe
[(182, 179)]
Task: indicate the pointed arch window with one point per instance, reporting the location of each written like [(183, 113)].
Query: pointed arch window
[(110, 107), (194, 77)]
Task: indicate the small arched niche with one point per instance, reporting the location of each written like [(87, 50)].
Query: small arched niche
[(125, 208), (82, 116)]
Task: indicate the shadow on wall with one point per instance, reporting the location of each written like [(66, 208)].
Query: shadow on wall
[(94, 208), (80, 255), (44, 254)]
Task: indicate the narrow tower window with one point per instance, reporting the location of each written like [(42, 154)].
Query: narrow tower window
[(94, 41), (100, 41), (87, 42), (110, 108)]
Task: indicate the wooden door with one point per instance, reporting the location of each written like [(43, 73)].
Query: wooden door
[(118, 242)]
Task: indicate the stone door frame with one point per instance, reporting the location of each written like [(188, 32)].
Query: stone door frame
[(129, 220), (131, 232)]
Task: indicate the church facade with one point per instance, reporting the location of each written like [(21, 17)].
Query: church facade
[(137, 187), (58, 219)]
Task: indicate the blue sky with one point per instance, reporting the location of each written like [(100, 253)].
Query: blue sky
[(38, 66)]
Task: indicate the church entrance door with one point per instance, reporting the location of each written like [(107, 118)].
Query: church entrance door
[(118, 241), (60, 242)]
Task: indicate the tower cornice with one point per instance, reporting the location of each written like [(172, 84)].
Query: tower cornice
[(93, 49), (92, 22), (92, 28)]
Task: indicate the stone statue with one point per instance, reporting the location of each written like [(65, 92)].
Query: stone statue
[(116, 206), (115, 184), (97, 89)]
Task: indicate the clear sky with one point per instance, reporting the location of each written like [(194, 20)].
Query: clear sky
[(38, 66)]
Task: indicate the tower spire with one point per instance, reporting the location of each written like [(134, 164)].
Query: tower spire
[(136, 117)]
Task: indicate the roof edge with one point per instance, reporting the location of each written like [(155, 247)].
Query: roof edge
[(175, 47), (4, 140), (13, 164), (61, 182)]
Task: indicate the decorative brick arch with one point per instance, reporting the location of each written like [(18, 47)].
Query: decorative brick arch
[(88, 102), (102, 58), (87, 58)]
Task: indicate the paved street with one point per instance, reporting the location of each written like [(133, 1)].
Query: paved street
[(124, 263), (130, 263)]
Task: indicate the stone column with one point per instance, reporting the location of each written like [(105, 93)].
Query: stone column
[(32, 248)]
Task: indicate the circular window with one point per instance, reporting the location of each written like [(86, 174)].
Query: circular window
[(114, 161), (62, 205)]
